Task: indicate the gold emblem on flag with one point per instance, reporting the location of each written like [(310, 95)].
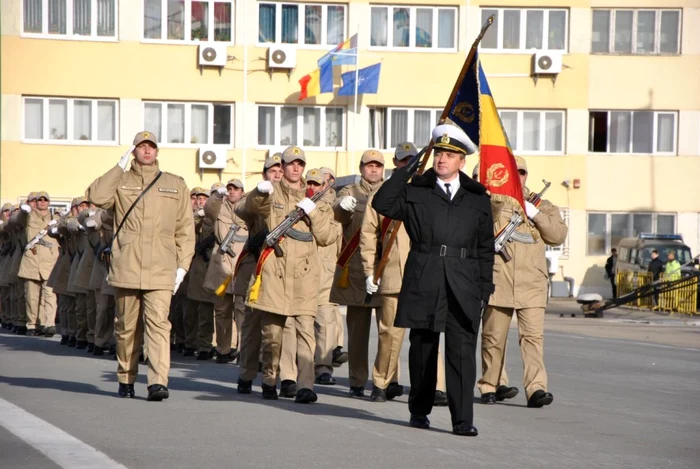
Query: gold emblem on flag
[(445, 139), (497, 175), (465, 112)]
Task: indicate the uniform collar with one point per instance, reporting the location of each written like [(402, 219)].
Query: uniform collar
[(146, 173)]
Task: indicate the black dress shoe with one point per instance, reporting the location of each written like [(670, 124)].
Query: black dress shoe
[(64, 340), (419, 421), (126, 390), (32, 333), (90, 348), (81, 344), (378, 395), (464, 429), (340, 356), (39, 330), (189, 352), (72, 342), (539, 399), (112, 349), (157, 392), (204, 355), (357, 391), (49, 332), (440, 399), (394, 390), (269, 392), (506, 392), (325, 379), (288, 388), (223, 359), (488, 398), (180, 348), (305, 396), (244, 387), (98, 351)]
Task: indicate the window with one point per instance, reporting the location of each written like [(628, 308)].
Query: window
[(188, 20), (70, 120), (523, 29), (534, 131), (414, 27), (636, 31), (648, 132), (390, 126), (320, 127), (178, 123), (605, 230), (70, 19), (299, 23), (562, 249)]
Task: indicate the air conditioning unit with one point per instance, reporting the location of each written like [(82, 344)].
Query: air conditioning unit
[(212, 158), (212, 55), (282, 56), (547, 62)]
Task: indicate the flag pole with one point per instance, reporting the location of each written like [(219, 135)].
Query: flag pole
[(354, 115), (396, 224)]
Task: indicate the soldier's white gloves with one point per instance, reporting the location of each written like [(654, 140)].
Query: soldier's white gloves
[(52, 222), (54, 230), (179, 277), (372, 287), (81, 227), (124, 160), (221, 191), (348, 203), (91, 213), (265, 187), (307, 205), (91, 223), (25, 208), (200, 212), (531, 210)]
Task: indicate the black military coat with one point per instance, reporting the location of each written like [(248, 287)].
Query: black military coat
[(452, 243)]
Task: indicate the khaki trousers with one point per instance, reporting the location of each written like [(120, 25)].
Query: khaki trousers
[(191, 323), (177, 318), (91, 316), (359, 322), (104, 321), (496, 323), (205, 326), (40, 304), (20, 309), (66, 310), (386, 363), (228, 312), (81, 317), (288, 359), (326, 338), (251, 339), (5, 300), (272, 332), (340, 339), (129, 331)]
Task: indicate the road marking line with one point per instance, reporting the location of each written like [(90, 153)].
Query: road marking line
[(57, 445), (621, 341)]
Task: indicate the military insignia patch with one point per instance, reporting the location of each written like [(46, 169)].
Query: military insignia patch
[(146, 135), (296, 151), (445, 139), (497, 175), (164, 189), (407, 147)]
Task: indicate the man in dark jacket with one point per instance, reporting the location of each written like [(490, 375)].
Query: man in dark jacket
[(610, 270), (656, 266), (448, 274)]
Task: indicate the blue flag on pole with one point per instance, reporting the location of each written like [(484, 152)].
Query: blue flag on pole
[(367, 81)]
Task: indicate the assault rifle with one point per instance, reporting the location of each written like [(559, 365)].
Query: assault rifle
[(509, 232), (202, 248), (228, 239), (273, 238), (39, 239)]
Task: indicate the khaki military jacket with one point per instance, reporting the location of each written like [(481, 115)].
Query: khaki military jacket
[(522, 281), (290, 284), (6, 260), (91, 241), (37, 263), (371, 250), (157, 238), (19, 239), (61, 277), (244, 267), (328, 256), (354, 293), (198, 270)]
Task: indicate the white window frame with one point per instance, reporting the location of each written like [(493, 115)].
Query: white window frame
[(630, 226), (163, 139), (635, 21), (410, 137), (523, 31), (70, 122), (301, 32), (187, 23), (519, 131), (563, 248), (300, 127), (412, 29), (69, 36), (655, 133)]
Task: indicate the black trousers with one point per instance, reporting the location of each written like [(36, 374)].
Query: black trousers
[(614, 287), (460, 365)]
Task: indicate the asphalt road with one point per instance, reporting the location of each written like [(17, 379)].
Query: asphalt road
[(617, 403)]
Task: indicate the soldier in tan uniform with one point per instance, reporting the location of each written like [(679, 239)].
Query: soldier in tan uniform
[(77, 231), (521, 287), (91, 240), (286, 287), (5, 246), (349, 284), (19, 241), (244, 277), (150, 256), (228, 310), (61, 275)]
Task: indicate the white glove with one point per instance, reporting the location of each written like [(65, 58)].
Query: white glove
[(372, 287), (221, 191), (124, 160), (265, 187), (25, 208), (531, 210), (54, 230), (179, 277), (81, 227), (307, 205), (91, 223), (200, 212), (348, 203), (91, 213), (52, 222)]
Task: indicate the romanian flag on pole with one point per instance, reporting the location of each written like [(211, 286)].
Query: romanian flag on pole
[(317, 82), (474, 110), (344, 53)]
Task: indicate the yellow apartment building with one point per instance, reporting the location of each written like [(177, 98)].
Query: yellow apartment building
[(602, 97)]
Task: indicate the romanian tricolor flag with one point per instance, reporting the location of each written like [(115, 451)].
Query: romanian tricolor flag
[(344, 53), (474, 110), (317, 82)]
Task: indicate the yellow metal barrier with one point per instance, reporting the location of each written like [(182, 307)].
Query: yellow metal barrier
[(683, 299)]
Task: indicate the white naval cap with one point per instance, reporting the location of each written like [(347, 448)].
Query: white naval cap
[(452, 138)]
